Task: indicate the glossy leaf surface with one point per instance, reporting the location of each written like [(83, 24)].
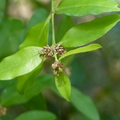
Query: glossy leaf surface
[(87, 32), (27, 80), (81, 50), (84, 104), (63, 85), (36, 115), (37, 35), (85, 7), (23, 62)]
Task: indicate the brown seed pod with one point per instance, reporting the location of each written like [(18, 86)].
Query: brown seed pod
[(57, 67), (59, 50)]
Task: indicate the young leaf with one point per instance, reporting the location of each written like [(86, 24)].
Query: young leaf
[(37, 35), (62, 83), (87, 32), (84, 104), (36, 115), (23, 62), (27, 80), (81, 50), (65, 24), (85, 7)]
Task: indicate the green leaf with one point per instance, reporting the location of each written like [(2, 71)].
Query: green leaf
[(84, 104), (2, 7), (11, 35), (62, 83), (27, 80), (87, 32), (41, 82), (56, 3), (36, 103), (85, 7), (10, 97), (36, 115), (7, 83), (39, 15), (23, 62), (81, 50), (65, 24), (37, 35)]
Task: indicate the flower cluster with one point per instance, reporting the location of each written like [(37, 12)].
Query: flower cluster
[(57, 67), (48, 51), (59, 50)]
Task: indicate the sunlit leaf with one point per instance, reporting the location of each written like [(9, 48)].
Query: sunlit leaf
[(62, 83), (36, 115), (84, 104), (37, 35), (81, 50), (56, 3), (2, 7), (85, 7), (87, 32), (22, 62)]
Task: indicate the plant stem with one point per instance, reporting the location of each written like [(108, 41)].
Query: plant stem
[(53, 26)]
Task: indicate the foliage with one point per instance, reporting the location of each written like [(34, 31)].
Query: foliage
[(27, 62)]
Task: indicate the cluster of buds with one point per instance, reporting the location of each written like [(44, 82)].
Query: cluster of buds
[(2, 110), (57, 67), (46, 52), (59, 50)]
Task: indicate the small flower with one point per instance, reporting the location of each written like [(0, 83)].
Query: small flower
[(59, 50), (57, 67), (46, 52)]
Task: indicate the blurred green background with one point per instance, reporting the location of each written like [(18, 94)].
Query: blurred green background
[(96, 73)]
